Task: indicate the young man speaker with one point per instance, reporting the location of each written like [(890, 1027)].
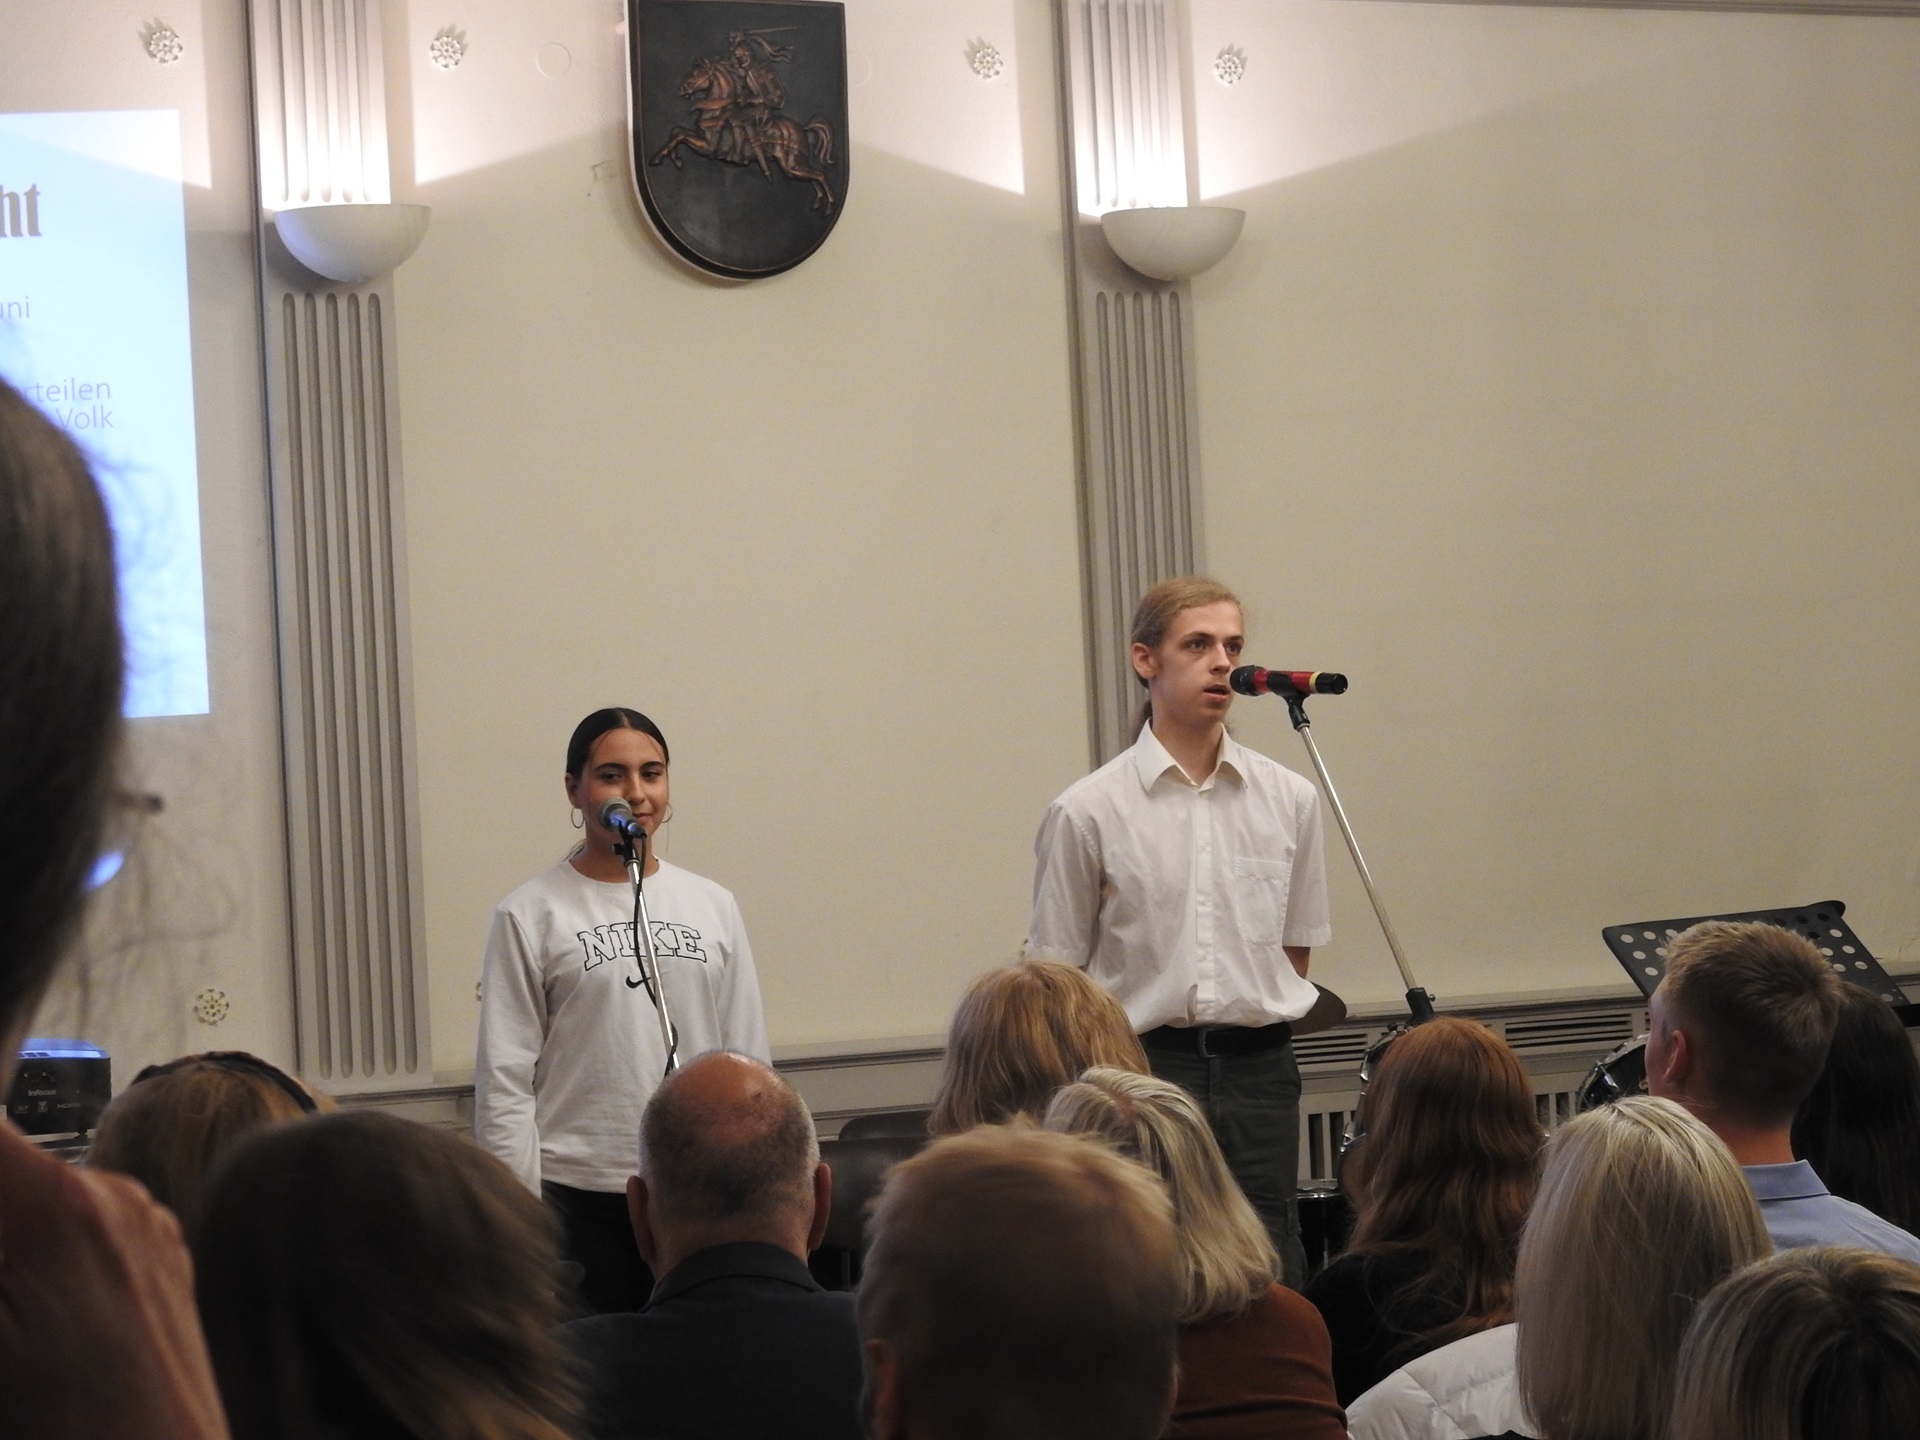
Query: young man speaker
[(1186, 876)]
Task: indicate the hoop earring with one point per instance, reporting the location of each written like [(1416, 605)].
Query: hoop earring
[(667, 818), (576, 818)]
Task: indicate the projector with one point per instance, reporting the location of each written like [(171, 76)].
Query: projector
[(60, 1088)]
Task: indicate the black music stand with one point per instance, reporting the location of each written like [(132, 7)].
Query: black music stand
[(1641, 948)]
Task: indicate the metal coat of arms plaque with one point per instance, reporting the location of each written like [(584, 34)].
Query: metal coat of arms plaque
[(738, 112)]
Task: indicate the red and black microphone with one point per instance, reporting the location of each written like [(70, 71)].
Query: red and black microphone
[(1255, 680)]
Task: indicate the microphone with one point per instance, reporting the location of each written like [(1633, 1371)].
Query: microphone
[(1253, 680), (618, 817)]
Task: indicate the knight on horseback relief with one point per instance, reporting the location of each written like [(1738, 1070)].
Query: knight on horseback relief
[(726, 98)]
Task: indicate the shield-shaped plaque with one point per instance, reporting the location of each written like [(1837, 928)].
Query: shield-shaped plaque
[(739, 121)]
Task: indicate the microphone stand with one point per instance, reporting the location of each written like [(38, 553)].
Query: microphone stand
[(649, 963), (1419, 1001)]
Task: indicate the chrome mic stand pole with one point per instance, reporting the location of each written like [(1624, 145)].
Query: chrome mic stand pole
[(1419, 1002), (649, 963)]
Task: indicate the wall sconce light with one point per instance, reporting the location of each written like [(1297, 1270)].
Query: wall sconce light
[(352, 243), (1173, 242)]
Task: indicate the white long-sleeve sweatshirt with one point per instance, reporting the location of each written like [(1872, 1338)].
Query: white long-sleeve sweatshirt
[(569, 1047)]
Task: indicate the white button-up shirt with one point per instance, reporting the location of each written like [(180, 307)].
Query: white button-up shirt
[(1178, 897)]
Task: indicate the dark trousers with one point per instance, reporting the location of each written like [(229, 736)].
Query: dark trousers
[(597, 1240), (1253, 1103)]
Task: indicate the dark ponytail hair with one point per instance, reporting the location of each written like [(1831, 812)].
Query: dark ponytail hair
[(614, 717), (60, 685)]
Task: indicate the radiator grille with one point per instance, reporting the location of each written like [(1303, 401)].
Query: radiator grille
[(1564, 1031), (1332, 1050), (1320, 1132), (1555, 1107)]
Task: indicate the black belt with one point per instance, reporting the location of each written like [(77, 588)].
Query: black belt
[(1208, 1041)]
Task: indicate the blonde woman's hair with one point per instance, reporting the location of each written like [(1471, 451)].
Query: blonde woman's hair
[(1019, 1034), (1819, 1344), (1156, 612), (1641, 1211), (1228, 1259)]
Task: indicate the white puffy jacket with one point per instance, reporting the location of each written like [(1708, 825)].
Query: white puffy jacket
[(1458, 1392)]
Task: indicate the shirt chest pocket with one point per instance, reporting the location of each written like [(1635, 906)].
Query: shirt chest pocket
[(1260, 885)]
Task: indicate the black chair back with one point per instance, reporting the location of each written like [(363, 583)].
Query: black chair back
[(910, 1124), (859, 1168)]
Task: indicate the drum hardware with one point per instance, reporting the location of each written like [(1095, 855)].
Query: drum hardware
[(1622, 1071), (1356, 1127), (1326, 1222)]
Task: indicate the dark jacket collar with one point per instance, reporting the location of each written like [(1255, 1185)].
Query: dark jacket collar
[(749, 1258)]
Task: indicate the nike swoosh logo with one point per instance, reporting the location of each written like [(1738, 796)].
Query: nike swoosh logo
[(635, 984)]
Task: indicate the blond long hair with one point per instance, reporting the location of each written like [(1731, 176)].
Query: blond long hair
[(1157, 610), (1642, 1210), (1019, 1034), (1228, 1258)]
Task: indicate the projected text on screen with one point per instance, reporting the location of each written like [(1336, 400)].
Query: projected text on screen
[(93, 330)]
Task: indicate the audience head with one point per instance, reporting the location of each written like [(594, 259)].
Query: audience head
[(364, 1275), (727, 1153), (170, 1127), (1641, 1212), (1860, 1128), (1226, 1255), (1741, 1024), (60, 684), (1021, 1285), (1449, 1161), (1820, 1344), (1019, 1034)]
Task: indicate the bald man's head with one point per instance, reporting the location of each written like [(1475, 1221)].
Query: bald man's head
[(726, 1142)]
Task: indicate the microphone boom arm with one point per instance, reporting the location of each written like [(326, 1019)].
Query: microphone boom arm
[(1419, 1001)]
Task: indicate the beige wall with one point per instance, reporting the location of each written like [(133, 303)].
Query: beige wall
[(821, 527), (1562, 391)]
